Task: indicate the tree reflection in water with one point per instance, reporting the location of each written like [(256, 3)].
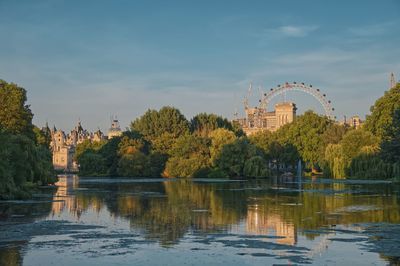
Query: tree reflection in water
[(167, 210)]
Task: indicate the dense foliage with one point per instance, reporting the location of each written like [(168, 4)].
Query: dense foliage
[(165, 143), (25, 159)]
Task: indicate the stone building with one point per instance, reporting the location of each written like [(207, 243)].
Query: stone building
[(63, 146), (115, 129), (258, 119), (354, 121)]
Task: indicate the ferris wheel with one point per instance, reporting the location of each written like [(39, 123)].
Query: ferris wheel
[(295, 86)]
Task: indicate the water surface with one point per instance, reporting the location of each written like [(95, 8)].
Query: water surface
[(104, 221)]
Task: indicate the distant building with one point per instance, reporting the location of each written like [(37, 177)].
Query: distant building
[(258, 119), (62, 152), (115, 129), (354, 121), (63, 146)]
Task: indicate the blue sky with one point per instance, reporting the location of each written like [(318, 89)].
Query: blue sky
[(91, 59)]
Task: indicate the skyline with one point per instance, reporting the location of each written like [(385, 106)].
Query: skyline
[(96, 59)]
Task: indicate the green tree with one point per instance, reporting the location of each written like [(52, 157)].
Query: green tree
[(354, 143), (203, 124), (42, 136), (133, 165), (189, 155), (334, 134), (305, 134), (92, 163), (390, 147), (161, 128), (219, 138), (233, 157), (22, 162), (256, 167), (381, 122), (15, 114), (87, 145), (155, 123), (334, 161), (264, 141)]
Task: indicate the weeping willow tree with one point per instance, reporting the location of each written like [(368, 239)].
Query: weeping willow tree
[(371, 166), (335, 164), (256, 167)]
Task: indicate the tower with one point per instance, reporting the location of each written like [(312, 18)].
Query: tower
[(115, 129), (392, 81), (285, 113)]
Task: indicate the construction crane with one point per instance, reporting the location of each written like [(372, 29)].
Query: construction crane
[(246, 98)]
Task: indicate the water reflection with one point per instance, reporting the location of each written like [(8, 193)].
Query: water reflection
[(167, 210), (279, 214)]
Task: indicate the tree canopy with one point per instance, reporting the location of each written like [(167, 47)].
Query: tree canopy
[(382, 120), (25, 157), (15, 115)]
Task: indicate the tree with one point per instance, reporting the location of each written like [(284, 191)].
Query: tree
[(155, 123), (22, 162), (92, 163), (161, 128), (219, 138), (390, 147), (334, 161), (15, 114), (109, 151), (354, 142), (189, 155), (203, 124), (264, 141), (87, 145), (334, 134), (233, 157), (305, 134), (133, 165), (381, 122), (256, 167)]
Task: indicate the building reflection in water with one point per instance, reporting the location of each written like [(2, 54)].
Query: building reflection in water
[(66, 198), (260, 222)]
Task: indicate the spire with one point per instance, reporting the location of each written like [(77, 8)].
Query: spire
[(79, 127), (392, 81)]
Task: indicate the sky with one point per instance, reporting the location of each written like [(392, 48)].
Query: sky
[(92, 59)]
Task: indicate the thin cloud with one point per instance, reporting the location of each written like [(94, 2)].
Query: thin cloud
[(296, 31), (291, 31), (372, 30)]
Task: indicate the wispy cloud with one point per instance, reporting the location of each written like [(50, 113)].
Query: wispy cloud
[(352, 79), (296, 31), (291, 31), (372, 30)]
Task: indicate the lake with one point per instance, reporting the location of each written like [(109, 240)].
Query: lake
[(115, 221)]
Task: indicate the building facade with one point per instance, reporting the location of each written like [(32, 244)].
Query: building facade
[(115, 129), (63, 146), (258, 119), (354, 122)]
